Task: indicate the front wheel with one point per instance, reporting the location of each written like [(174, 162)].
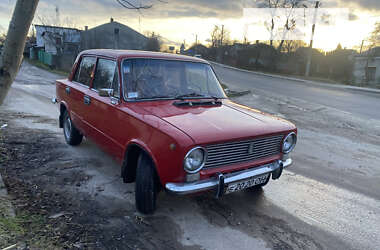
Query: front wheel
[(147, 185), (72, 135)]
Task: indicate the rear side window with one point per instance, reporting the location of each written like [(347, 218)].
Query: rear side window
[(84, 71), (106, 76)]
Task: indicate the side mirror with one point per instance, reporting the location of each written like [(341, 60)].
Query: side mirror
[(105, 92)]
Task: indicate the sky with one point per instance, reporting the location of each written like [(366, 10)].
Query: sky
[(179, 20)]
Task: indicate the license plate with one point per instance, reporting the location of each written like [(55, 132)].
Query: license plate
[(240, 185)]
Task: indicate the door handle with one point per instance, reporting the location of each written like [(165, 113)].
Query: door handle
[(87, 100), (67, 90)]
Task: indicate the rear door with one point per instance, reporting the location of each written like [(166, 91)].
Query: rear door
[(104, 114), (77, 91)]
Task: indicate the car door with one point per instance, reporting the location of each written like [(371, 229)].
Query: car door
[(77, 89), (104, 112)]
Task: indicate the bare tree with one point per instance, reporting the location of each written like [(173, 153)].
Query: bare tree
[(154, 43), (292, 45), (11, 57), (273, 4), (374, 38), (290, 19), (219, 36), (290, 22), (214, 36), (134, 6)]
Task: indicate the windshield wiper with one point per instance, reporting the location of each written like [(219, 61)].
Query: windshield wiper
[(182, 97), (194, 95)]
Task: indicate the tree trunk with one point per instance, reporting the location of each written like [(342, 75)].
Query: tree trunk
[(279, 48), (14, 44)]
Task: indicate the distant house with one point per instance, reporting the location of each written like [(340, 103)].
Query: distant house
[(367, 67), (198, 49), (57, 40), (112, 35)]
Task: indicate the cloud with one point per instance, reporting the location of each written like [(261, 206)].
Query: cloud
[(221, 9), (366, 4), (173, 8)]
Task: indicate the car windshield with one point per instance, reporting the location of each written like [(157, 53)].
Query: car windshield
[(168, 79)]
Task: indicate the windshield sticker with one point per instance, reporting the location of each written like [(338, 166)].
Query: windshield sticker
[(133, 94), (127, 69)]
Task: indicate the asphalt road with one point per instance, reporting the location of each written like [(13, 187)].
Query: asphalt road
[(361, 104), (329, 198)]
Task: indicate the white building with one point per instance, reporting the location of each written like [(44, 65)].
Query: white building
[(367, 67), (57, 39)]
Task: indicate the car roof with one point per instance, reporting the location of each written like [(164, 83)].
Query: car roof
[(121, 54)]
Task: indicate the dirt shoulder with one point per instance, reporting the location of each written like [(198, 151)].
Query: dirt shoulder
[(38, 172)]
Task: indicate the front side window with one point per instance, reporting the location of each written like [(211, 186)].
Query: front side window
[(83, 74), (106, 76), (168, 79)]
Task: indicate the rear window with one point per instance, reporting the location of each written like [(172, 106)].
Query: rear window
[(84, 71)]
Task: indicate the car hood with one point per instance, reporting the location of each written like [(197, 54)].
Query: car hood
[(217, 123)]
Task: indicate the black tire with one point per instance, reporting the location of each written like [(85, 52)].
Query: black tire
[(72, 135), (147, 185)]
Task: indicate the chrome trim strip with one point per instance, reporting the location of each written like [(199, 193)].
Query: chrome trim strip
[(212, 183), (287, 163)]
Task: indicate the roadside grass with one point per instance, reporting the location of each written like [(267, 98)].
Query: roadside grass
[(21, 227), (46, 67)]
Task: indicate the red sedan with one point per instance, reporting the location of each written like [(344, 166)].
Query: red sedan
[(168, 122)]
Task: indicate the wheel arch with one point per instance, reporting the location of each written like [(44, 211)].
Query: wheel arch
[(130, 161), (62, 109)]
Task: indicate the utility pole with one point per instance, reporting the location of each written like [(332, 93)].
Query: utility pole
[(221, 38), (307, 71), (361, 46)]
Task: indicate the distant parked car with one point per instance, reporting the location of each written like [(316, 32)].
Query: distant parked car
[(166, 119), (198, 56)]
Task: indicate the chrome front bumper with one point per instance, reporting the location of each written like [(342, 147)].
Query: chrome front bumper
[(217, 183)]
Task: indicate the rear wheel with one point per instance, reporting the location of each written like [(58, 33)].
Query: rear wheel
[(72, 135), (147, 185)]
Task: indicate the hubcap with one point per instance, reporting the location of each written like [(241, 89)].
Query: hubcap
[(67, 127)]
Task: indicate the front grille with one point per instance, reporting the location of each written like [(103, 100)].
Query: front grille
[(242, 151)]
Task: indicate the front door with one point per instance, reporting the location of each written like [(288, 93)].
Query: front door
[(104, 112)]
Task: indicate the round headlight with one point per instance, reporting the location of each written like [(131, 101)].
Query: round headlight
[(289, 143), (194, 160)]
